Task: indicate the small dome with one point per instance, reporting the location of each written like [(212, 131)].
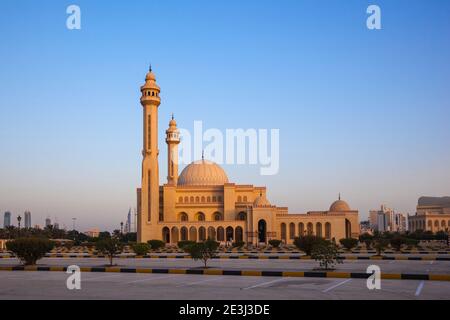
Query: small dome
[(261, 201), (202, 173), (339, 205), (150, 76)]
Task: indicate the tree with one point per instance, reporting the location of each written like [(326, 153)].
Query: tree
[(275, 243), (184, 244), (156, 244), (306, 243), (203, 250), (380, 245), (327, 254), (141, 249), (397, 242), (367, 239), (349, 243), (30, 250), (110, 247), (238, 244)]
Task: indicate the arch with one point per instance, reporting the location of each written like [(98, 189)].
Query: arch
[(219, 199), (166, 234), (211, 233), (220, 234), (229, 234), (430, 224), (436, 223), (180, 199), (193, 234), (200, 216), (217, 216), (301, 229), (208, 199), (214, 199), (310, 229), (191, 199), (262, 230), (203, 200), (183, 216), (174, 235), (186, 199), (328, 231), (291, 230), (184, 234), (241, 216), (202, 234), (348, 229), (245, 199), (239, 234), (239, 199), (283, 231), (319, 229), (197, 199)]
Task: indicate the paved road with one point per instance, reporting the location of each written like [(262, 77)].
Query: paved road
[(52, 285), (387, 266)]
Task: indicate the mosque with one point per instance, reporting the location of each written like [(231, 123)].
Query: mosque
[(202, 203)]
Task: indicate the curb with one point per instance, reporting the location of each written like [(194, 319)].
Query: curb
[(403, 258), (258, 273)]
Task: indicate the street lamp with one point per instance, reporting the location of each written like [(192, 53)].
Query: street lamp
[(121, 228), (19, 218)]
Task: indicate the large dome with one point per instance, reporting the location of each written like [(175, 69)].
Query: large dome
[(202, 173), (339, 206)]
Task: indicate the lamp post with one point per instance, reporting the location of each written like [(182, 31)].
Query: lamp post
[(121, 228), (19, 218)]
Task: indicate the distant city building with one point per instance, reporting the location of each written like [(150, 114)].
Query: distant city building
[(93, 233), (432, 214), (48, 222), (56, 225), (37, 226), (365, 227), (27, 216), (387, 219), (128, 223), (7, 219)]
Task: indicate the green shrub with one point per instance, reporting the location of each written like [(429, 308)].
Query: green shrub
[(327, 254), (141, 249), (30, 250), (411, 242), (275, 243), (109, 247), (203, 250), (238, 244), (367, 239), (306, 243), (397, 243), (184, 243), (156, 244), (380, 244), (349, 243)]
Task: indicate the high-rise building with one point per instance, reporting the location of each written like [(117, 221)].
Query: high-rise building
[(27, 216), (48, 222), (7, 219), (382, 220)]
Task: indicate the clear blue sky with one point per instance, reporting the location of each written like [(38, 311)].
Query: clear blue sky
[(365, 113)]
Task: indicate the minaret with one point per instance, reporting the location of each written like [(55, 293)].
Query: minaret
[(172, 140), (150, 101)]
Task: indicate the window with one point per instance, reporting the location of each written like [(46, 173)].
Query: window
[(200, 216), (220, 199), (214, 199), (183, 217), (217, 216), (186, 199), (203, 199), (283, 231), (239, 199), (197, 199), (180, 199), (241, 216), (245, 198), (208, 199)]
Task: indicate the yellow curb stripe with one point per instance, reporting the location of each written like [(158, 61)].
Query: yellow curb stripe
[(243, 257), (177, 271), (339, 275), (144, 271), (112, 269), (401, 258), (439, 277), (376, 258), (31, 268), (293, 274), (85, 269), (213, 272), (251, 273), (305, 257), (5, 268), (283, 257), (56, 268), (351, 258)]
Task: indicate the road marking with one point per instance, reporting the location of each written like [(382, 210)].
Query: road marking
[(390, 262), (150, 279), (419, 288), (192, 283), (262, 284), (336, 285)]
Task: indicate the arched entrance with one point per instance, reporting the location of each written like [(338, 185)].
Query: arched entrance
[(262, 230), (229, 233), (220, 234), (166, 235), (239, 234), (193, 234), (184, 233), (348, 229), (174, 235), (211, 233)]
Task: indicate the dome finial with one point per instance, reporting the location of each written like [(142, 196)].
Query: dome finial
[(150, 68), (203, 154), (172, 116), (339, 196)]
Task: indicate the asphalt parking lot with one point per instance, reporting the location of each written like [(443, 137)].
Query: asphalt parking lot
[(52, 285), (386, 266)]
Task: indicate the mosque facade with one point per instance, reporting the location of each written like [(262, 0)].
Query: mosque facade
[(201, 202)]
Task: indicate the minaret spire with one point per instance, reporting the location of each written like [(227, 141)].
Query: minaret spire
[(339, 196)]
